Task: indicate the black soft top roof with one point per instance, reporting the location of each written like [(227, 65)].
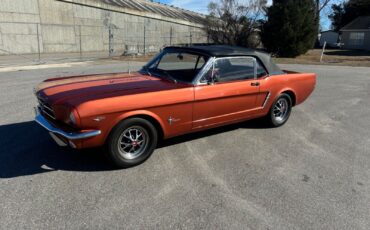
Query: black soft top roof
[(232, 51)]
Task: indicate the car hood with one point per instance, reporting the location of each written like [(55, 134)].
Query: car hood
[(78, 89)]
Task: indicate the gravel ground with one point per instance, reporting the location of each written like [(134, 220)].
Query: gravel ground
[(312, 173)]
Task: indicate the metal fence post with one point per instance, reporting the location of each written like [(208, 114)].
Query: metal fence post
[(38, 42), (111, 49), (171, 31), (144, 39), (80, 41), (190, 39)]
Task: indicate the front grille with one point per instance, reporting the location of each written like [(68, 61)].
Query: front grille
[(46, 108)]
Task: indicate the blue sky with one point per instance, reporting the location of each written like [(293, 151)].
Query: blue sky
[(194, 5), (201, 7)]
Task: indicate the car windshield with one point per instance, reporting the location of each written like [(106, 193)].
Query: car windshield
[(176, 66)]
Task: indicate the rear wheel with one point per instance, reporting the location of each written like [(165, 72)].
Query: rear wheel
[(280, 110), (132, 142)]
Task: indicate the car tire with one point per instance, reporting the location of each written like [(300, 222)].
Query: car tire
[(132, 142), (280, 110)]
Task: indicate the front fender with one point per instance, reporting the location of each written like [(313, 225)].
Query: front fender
[(136, 113)]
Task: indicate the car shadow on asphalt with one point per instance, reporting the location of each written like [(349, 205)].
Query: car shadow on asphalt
[(252, 124), (27, 149)]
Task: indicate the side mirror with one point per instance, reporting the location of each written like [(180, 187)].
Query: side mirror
[(210, 82), (211, 76)]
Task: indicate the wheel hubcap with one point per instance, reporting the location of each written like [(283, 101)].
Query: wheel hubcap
[(281, 110), (133, 142)]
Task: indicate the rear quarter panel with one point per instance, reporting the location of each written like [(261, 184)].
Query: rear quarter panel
[(300, 84)]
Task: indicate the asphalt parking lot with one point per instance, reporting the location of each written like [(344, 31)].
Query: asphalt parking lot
[(312, 173)]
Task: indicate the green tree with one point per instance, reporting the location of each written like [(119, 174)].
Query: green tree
[(291, 28), (344, 13)]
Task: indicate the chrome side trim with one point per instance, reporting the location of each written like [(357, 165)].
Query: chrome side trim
[(69, 135), (266, 100)]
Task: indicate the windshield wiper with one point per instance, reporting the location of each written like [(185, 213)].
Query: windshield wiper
[(169, 76)]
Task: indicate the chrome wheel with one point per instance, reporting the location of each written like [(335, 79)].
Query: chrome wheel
[(133, 142), (281, 110)]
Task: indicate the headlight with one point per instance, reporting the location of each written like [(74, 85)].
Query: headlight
[(72, 118)]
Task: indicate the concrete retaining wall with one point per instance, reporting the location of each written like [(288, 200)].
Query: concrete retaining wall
[(50, 26)]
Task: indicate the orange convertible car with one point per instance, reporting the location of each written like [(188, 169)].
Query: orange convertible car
[(182, 90)]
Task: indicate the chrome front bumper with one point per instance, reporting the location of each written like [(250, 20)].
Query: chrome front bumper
[(39, 118)]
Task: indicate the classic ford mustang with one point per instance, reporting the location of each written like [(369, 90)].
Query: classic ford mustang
[(182, 90)]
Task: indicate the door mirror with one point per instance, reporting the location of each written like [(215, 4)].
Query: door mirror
[(213, 76)]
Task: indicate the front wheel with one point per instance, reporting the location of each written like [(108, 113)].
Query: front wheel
[(280, 110), (132, 142)]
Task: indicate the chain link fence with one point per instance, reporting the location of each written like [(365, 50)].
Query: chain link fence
[(151, 41), (39, 42)]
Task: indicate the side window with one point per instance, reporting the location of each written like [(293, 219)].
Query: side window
[(234, 69)]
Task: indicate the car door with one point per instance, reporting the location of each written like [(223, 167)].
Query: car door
[(227, 91)]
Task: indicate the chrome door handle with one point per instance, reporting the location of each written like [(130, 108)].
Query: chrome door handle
[(255, 84)]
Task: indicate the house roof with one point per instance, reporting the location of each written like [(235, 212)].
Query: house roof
[(232, 51), (158, 8), (360, 23), (327, 31)]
